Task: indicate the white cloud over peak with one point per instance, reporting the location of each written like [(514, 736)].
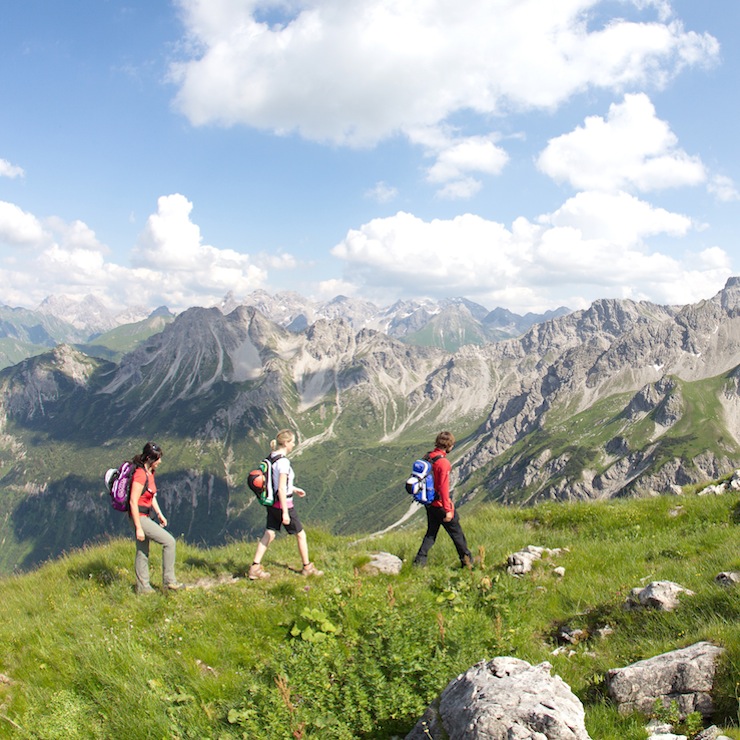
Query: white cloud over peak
[(591, 247), (356, 73), (631, 148), (331, 288), (389, 251), (171, 246), (51, 248), (170, 240), (171, 264)]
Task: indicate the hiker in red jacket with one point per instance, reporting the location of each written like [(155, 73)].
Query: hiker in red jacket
[(442, 512)]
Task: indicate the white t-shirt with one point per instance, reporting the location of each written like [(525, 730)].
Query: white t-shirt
[(282, 466)]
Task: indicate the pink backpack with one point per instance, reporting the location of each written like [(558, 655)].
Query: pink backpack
[(118, 483)]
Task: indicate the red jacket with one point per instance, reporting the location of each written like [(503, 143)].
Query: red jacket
[(441, 472)]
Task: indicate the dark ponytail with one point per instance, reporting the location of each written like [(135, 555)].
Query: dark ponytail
[(151, 453)]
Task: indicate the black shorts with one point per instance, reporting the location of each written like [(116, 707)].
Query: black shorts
[(275, 521)]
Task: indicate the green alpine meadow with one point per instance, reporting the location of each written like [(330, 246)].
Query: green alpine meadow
[(356, 655)]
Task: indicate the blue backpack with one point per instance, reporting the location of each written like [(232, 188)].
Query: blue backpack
[(420, 484)]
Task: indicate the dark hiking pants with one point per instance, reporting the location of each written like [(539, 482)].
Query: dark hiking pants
[(435, 520)]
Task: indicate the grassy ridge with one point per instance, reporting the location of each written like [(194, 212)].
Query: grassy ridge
[(354, 656)]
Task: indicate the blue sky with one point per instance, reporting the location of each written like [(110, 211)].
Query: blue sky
[(521, 153)]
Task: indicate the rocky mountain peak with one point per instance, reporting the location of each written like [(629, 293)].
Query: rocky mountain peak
[(89, 313), (730, 295)]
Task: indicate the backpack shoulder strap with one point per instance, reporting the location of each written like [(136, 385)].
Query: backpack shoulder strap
[(146, 484), (131, 480), (272, 460)]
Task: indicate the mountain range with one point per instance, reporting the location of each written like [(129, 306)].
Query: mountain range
[(623, 398), (98, 330)]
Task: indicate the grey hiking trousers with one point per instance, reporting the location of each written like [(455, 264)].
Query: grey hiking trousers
[(154, 533)]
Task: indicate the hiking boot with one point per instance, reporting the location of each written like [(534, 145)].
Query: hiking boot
[(147, 590), (467, 562), (311, 570), (174, 586), (420, 562), (257, 572)]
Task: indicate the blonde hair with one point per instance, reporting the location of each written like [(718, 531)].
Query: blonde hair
[(282, 438)]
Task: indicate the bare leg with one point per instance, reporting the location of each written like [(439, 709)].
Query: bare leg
[(303, 546), (263, 544)]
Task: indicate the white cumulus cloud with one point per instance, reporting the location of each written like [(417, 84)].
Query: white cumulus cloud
[(19, 228), (358, 72), (631, 148), (75, 235), (594, 246), (58, 257), (171, 265), (616, 218), (171, 249), (458, 159)]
